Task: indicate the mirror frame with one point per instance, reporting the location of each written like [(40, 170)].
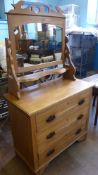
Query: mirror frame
[(20, 16)]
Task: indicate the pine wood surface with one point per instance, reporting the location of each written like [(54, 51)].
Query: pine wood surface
[(35, 99), (58, 127), (36, 76), (63, 133), (63, 142), (60, 111), (79, 159), (61, 98), (93, 79), (30, 67)]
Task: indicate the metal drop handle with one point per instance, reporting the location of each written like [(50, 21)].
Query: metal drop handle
[(78, 131), (50, 118), (80, 117), (50, 152), (50, 135), (81, 101)]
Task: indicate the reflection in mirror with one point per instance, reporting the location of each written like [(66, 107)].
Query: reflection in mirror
[(37, 43)]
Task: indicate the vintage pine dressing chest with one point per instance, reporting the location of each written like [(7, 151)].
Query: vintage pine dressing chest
[(47, 118)]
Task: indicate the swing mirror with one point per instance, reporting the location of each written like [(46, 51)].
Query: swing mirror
[(37, 43)]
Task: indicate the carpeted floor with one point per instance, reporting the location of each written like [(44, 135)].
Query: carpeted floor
[(79, 159)]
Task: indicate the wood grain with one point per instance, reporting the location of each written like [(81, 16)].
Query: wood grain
[(36, 76), (61, 113), (63, 143), (35, 99), (65, 99)]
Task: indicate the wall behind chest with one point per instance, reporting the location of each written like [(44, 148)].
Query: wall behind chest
[(7, 4), (83, 8), (2, 16)]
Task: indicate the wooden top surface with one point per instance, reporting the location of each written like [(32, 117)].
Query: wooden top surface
[(37, 98), (93, 79)]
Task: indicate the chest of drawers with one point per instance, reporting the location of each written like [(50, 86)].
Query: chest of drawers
[(47, 120)]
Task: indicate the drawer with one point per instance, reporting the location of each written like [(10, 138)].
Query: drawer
[(49, 138), (64, 142), (50, 116)]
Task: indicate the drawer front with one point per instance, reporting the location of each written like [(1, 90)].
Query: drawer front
[(50, 137), (54, 115), (65, 141)]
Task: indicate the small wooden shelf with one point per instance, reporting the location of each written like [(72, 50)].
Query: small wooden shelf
[(36, 76)]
